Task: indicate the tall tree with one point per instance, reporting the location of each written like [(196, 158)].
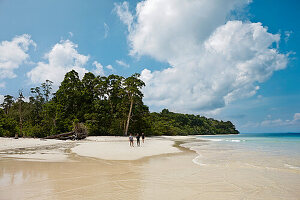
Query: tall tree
[(38, 101), (7, 103), (89, 82), (69, 100), (114, 92), (20, 101), (133, 86), (47, 87)]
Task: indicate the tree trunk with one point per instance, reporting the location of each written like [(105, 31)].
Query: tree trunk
[(20, 122), (129, 115)]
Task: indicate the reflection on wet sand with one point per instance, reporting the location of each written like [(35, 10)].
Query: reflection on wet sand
[(226, 175), (84, 179)]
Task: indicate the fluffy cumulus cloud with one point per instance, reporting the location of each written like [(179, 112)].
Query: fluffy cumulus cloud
[(212, 61), (13, 54), (62, 58)]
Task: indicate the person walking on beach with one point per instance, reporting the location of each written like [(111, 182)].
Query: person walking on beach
[(143, 137), (138, 139), (131, 140)]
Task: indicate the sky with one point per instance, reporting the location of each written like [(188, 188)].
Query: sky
[(234, 60)]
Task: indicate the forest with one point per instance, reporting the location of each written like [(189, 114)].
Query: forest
[(111, 105)]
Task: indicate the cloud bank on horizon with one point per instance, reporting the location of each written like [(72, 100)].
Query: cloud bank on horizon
[(213, 61)]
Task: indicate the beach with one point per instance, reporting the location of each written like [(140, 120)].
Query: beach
[(163, 167)]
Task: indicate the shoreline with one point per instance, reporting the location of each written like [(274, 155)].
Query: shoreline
[(98, 147)]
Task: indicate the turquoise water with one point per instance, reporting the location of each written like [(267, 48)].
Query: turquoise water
[(285, 144)]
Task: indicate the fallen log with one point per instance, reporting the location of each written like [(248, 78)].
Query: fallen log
[(68, 136), (79, 132), (60, 135)]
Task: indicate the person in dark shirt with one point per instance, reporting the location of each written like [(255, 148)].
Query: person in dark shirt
[(138, 139), (143, 137)]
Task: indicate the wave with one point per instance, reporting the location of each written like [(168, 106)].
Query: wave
[(197, 161), (235, 140), (291, 166), (213, 139), (227, 140), (193, 146)]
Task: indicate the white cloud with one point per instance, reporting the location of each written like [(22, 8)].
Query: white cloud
[(13, 54), (71, 34), (1, 98), (110, 67), (122, 63), (296, 117), (2, 85), (99, 69), (106, 30), (280, 122), (250, 124), (287, 35), (123, 12), (212, 61), (62, 58)]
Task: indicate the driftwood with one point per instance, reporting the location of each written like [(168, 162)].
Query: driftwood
[(79, 132), (68, 136)]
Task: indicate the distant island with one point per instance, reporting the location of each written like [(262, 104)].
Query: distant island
[(110, 105)]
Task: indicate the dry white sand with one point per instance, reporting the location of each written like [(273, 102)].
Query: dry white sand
[(34, 149), (11, 143), (117, 148), (104, 147)]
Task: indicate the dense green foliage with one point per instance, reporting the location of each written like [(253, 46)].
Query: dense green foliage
[(106, 105), (169, 123)]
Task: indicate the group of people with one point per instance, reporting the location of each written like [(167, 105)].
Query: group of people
[(138, 136)]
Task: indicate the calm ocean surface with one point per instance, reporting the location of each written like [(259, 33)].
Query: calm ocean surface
[(284, 144)]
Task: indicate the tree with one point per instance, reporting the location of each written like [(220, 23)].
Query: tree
[(69, 100), (37, 101), (110, 105), (89, 82), (7, 103), (47, 87), (20, 101), (7, 125), (133, 86)]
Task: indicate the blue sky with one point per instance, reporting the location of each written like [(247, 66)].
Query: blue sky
[(110, 37)]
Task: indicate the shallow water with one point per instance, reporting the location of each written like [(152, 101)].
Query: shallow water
[(280, 150), (287, 144)]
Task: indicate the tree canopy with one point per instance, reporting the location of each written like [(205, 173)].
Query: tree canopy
[(111, 105)]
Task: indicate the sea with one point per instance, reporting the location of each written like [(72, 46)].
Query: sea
[(277, 150)]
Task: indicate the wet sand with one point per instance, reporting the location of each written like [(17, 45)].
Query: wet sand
[(173, 176)]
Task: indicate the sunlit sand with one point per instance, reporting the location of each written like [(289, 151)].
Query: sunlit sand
[(168, 173)]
